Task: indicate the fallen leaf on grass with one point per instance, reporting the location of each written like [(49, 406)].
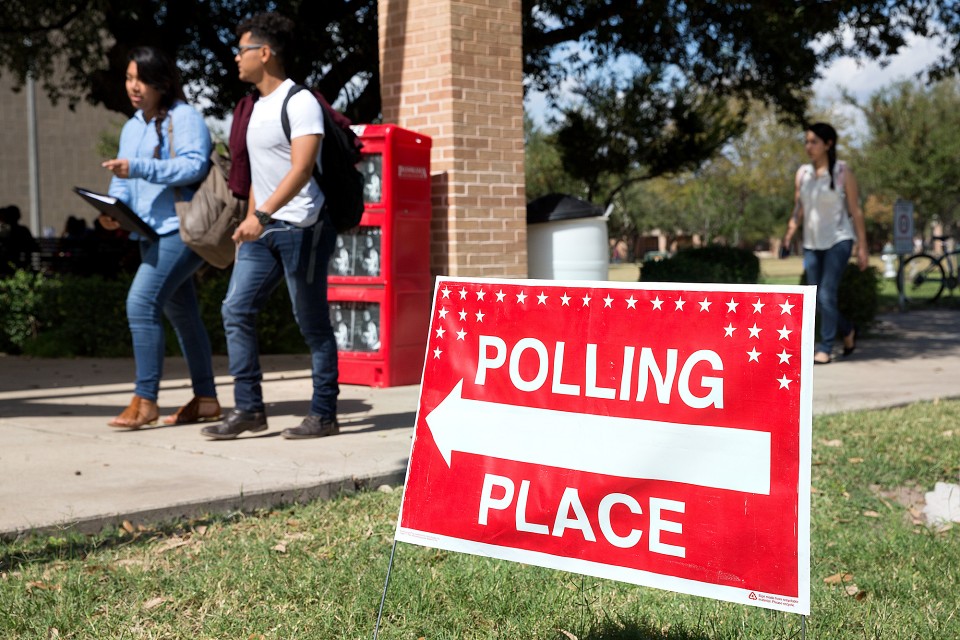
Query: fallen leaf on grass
[(153, 603), (289, 537), (44, 586), (832, 443), (172, 543), (837, 578), (916, 515), (854, 460), (871, 514), (566, 633), (200, 530), (281, 547), (128, 527), (53, 633), (854, 592), (948, 433)]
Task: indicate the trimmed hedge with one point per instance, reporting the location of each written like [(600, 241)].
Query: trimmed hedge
[(715, 263), (69, 316), (859, 294)]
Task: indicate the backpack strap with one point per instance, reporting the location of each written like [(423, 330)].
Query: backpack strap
[(840, 174), (318, 226), (285, 121)]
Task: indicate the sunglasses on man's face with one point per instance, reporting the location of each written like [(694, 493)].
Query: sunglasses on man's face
[(241, 49)]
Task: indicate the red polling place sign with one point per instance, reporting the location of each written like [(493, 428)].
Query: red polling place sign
[(656, 434)]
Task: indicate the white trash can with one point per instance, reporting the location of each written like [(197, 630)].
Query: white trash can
[(566, 239)]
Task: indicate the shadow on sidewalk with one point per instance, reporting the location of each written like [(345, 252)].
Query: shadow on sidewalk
[(922, 333)]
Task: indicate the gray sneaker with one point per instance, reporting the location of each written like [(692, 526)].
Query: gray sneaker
[(236, 422), (312, 427)]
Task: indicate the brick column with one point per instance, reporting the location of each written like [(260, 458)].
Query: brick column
[(452, 69)]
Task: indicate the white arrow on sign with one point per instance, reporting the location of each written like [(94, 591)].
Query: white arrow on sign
[(719, 457)]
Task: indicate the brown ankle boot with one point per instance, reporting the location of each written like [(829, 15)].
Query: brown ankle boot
[(139, 412), (199, 409)]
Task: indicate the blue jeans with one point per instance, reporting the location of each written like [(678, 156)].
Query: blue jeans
[(164, 283), (300, 256), (825, 268)]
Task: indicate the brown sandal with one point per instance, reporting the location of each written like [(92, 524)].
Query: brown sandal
[(139, 412), (199, 409)]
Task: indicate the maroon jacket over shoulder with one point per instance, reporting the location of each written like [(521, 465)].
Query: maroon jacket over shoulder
[(240, 180)]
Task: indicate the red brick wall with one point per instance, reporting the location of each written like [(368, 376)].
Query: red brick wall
[(452, 69)]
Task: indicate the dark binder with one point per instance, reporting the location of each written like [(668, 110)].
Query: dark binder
[(119, 211)]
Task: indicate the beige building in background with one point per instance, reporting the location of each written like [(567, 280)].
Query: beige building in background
[(66, 142)]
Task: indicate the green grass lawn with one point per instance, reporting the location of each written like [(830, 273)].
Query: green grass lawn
[(316, 571)]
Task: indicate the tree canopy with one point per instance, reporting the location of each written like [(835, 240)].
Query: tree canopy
[(913, 146), (78, 48), (766, 49), (641, 129)]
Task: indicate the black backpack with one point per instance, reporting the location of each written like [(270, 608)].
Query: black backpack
[(340, 181)]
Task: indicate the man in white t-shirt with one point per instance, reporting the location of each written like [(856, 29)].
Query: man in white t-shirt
[(286, 233)]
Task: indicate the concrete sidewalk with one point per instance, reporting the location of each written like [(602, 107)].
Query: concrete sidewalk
[(60, 465)]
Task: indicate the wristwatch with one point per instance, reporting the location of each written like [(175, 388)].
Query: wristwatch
[(264, 218)]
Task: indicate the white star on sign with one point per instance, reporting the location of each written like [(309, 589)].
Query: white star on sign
[(437, 352), (785, 308), (705, 305), (754, 331), (657, 302), (754, 355), (440, 332), (479, 316), (784, 382), (757, 306), (732, 306), (480, 294), (728, 330), (521, 297), (442, 313), (607, 301), (461, 334), (679, 302), (445, 292), (586, 301), (784, 357), (463, 314), (631, 302), (542, 298), (784, 333), (500, 295), (463, 294), (565, 299)]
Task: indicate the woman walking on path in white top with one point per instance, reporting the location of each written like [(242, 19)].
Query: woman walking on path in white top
[(827, 206)]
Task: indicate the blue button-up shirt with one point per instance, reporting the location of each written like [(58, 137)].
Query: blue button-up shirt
[(149, 190)]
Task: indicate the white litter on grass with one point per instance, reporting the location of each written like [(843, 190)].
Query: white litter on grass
[(943, 504)]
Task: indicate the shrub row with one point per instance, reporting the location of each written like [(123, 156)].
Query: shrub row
[(705, 264), (68, 316), (859, 290)]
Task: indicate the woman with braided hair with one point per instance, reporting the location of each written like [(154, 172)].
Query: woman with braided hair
[(827, 206), (164, 152)]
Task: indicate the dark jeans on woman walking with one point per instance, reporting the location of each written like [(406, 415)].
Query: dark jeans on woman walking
[(825, 268)]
